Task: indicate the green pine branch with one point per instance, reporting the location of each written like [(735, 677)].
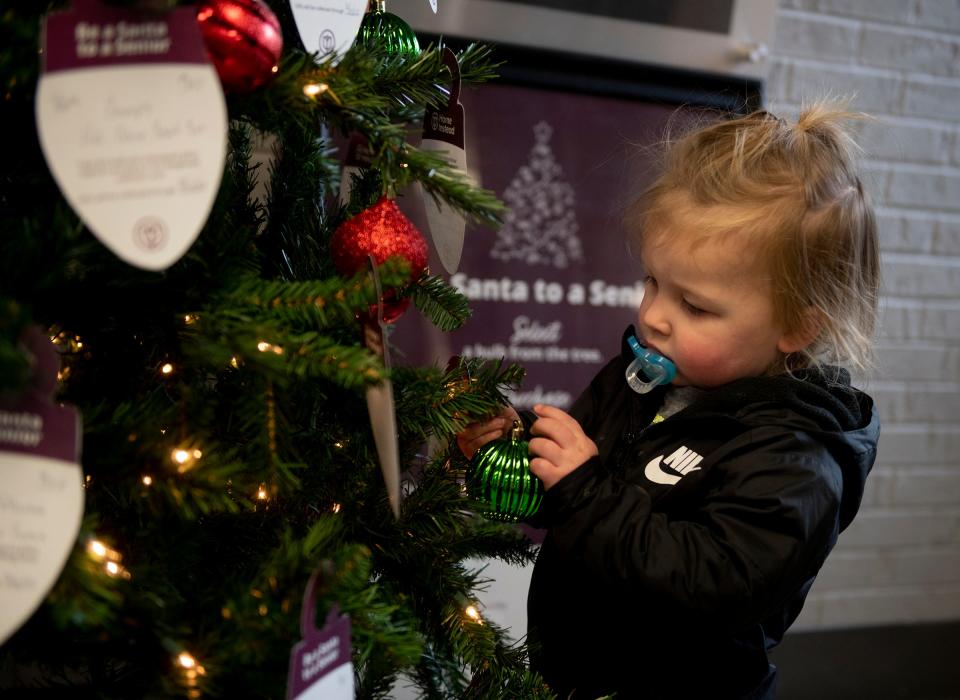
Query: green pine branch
[(443, 305)]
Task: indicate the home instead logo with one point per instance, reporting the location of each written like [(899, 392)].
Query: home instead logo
[(540, 227), (681, 462)]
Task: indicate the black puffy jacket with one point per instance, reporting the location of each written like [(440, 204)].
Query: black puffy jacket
[(677, 557)]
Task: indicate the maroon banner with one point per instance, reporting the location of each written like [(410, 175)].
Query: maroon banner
[(554, 288)]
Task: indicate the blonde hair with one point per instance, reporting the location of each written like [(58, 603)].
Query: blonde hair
[(794, 191)]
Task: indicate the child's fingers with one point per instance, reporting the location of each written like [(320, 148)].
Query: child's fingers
[(542, 409), (555, 429), (540, 467), (546, 448), (474, 430), (544, 470), (476, 435)]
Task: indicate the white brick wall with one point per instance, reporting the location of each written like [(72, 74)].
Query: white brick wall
[(900, 60)]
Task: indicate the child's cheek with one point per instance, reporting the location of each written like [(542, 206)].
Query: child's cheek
[(705, 364)]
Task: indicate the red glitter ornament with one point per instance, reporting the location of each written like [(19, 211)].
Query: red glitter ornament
[(383, 232), (243, 40)]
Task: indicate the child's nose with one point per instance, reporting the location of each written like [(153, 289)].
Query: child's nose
[(653, 315)]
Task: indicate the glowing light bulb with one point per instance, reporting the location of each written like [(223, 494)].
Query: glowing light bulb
[(314, 89), (147, 479), (336, 508), (167, 368), (186, 660), (473, 614), (262, 493), (97, 549), (264, 346), (189, 318), (234, 362), (181, 456), (113, 568)]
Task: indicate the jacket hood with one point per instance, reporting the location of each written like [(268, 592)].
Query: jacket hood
[(819, 402)]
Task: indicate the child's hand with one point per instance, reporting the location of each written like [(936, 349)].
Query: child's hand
[(561, 445), (478, 434)]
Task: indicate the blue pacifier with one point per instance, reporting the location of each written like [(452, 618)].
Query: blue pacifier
[(650, 369)]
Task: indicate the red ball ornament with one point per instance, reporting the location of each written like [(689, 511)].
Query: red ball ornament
[(383, 232), (243, 40)]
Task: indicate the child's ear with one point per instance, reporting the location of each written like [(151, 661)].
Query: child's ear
[(799, 338)]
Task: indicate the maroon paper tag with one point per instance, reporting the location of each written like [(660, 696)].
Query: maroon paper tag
[(447, 124), (92, 34), (320, 665), (31, 423)]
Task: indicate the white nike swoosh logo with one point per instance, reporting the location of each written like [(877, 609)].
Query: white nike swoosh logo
[(654, 472)]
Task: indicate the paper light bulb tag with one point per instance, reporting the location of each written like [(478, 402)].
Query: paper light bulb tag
[(328, 26), (41, 489), (133, 125), (443, 132), (320, 665)]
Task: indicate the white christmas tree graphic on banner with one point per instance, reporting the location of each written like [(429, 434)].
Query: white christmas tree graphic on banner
[(540, 226)]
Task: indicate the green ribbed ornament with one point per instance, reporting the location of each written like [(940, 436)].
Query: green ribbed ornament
[(499, 476), (384, 31)]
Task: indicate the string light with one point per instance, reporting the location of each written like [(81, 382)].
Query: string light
[(234, 362), (191, 671), (264, 346), (314, 89), (167, 368), (262, 494), (185, 458), (97, 550), (336, 508), (474, 614), (189, 318), (116, 571), (110, 558), (147, 480)]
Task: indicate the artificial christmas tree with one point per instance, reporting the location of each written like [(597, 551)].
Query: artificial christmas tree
[(227, 453)]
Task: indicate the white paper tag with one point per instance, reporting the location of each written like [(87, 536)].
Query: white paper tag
[(138, 153), (328, 25), (41, 505), (446, 225), (133, 124), (443, 131), (433, 6)]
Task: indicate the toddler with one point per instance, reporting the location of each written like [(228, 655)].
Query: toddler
[(686, 524)]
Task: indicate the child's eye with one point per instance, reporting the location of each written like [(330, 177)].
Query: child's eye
[(693, 310)]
